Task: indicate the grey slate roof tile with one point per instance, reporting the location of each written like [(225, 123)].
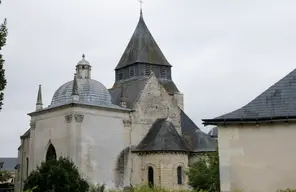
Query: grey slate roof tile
[(130, 90), (196, 140), (278, 101), (142, 48), (9, 163), (162, 136)]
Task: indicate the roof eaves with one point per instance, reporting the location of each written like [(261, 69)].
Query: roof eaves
[(248, 120)]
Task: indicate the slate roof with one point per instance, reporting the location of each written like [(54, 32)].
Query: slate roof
[(130, 89), (213, 132), (196, 140), (9, 163), (277, 102), (142, 48), (162, 136)]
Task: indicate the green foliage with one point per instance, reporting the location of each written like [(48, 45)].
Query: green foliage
[(56, 175), (3, 35), (286, 190), (4, 176), (97, 188), (204, 174), (145, 188)]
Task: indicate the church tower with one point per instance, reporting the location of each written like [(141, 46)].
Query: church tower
[(143, 56)]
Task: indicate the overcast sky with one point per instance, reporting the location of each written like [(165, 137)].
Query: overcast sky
[(224, 53)]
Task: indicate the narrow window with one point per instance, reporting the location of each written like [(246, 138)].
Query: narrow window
[(131, 71), (163, 73), (147, 69), (150, 177), (120, 75), (51, 153), (179, 175), (27, 167)]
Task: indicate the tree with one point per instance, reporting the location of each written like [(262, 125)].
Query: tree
[(204, 174), (3, 35), (56, 175)]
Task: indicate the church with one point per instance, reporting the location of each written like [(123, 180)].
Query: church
[(133, 133)]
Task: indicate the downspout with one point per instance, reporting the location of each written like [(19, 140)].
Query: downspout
[(130, 150)]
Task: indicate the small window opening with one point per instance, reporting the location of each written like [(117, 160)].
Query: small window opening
[(150, 177), (179, 175), (27, 167)]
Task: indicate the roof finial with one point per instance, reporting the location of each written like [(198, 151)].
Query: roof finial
[(141, 7), (83, 56)]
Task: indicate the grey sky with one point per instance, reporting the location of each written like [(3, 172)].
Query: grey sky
[(224, 53)]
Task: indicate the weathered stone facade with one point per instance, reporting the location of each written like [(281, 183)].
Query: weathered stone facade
[(131, 134)]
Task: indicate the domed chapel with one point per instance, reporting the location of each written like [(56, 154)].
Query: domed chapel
[(133, 133)]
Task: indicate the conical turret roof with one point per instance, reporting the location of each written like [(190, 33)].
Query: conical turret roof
[(142, 48)]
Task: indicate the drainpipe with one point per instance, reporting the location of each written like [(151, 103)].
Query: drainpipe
[(130, 150)]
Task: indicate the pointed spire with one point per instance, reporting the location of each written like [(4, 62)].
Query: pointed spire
[(142, 48), (39, 103)]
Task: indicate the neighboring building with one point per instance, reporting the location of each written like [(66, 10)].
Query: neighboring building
[(8, 164), (134, 133), (214, 133), (257, 141)]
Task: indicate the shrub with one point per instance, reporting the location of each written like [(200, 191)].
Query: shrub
[(56, 175)]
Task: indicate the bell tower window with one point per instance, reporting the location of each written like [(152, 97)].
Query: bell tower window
[(120, 75), (147, 70), (163, 72), (131, 71)]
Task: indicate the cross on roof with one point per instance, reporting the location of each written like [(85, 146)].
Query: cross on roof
[(141, 4)]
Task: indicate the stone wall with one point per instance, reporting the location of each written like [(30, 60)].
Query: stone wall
[(257, 158), (165, 169)]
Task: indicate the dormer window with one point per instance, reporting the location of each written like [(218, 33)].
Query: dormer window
[(147, 69), (120, 75), (131, 71), (163, 72)]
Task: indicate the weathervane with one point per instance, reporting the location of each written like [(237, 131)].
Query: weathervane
[(141, 4)]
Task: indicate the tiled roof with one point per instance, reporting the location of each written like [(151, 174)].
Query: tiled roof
[(197, 140), (277, 102), (162, 136)]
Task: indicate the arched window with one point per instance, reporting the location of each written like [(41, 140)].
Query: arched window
[(27, 167), (150, 176), (51, 153), (179, 175)]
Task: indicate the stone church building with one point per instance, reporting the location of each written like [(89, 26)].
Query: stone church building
[(133, 133)]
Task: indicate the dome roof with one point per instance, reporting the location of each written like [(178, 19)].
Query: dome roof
[(91, 92)]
